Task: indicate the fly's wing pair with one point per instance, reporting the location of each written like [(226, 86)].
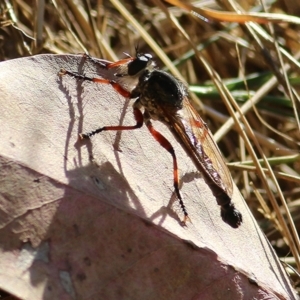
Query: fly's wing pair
[(196, 139)]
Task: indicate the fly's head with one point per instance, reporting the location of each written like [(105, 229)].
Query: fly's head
[(129, 74), (137, 65), (142, 63)]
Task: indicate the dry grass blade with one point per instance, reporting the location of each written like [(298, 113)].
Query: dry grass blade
[(240, 17)]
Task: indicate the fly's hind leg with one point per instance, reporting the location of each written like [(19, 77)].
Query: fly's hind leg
[(167, 145)]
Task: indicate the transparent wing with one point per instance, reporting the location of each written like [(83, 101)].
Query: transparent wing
[(193, 134)]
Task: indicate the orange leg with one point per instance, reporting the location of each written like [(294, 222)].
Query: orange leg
[(109, 65), (113, 83), (138, 116), (167, 145), (119, 62)]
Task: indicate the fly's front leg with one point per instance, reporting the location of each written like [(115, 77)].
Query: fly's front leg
[(113, 83), (167, 145), (136, 110), (109, 65)]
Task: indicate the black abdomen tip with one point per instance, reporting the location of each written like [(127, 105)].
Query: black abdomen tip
[(231, 215)]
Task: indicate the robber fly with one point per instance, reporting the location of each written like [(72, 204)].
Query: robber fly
[(166, 99)]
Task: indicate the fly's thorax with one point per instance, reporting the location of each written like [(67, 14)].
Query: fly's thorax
[(160, 93)]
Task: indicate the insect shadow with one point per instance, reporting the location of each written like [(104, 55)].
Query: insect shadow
[(173, 209), (104, 179)]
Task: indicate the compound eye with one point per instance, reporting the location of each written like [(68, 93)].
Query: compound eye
[(143, 58), (148, 56)]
